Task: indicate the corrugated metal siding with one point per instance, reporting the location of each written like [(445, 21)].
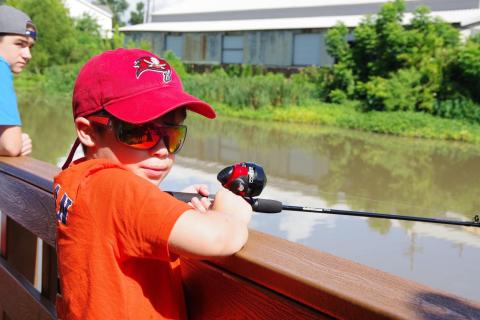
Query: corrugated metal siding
[(271, 48), (175, 44), (214, 48)]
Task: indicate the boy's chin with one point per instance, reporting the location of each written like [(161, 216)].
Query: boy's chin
[(153, 180), (17, 69)]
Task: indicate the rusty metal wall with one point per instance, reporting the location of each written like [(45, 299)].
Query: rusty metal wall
[(269, 47)]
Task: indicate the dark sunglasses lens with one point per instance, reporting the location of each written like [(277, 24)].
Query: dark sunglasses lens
[(173, 137), (137, 136), (146, 136)]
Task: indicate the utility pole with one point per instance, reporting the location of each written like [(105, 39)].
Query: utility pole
[(147, 11)]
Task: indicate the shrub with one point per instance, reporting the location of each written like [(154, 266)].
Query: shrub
[(465, 70), (405, 90), (176, 63), (458, 108)]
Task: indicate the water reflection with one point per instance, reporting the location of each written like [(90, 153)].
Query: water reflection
[(322, 167), (440, 256), (48, 121)]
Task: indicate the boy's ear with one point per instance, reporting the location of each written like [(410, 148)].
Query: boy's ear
[(85, 132)]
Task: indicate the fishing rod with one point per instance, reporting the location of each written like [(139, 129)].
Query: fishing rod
[(248, 179)]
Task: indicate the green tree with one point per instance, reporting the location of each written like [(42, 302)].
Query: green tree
[(465, 70), (391, 38), (89, 40), (392, 66), (136, 17), (56, 37), (118, 7)]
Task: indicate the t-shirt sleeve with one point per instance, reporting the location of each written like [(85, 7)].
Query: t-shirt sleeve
[(9, 115), (142, 217)]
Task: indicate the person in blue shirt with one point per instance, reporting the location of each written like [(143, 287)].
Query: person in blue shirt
[(17, 37)]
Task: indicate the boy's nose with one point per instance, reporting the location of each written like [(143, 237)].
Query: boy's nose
[(26, 54), (159, 150)]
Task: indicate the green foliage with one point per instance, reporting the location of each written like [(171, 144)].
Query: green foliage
[(244, 70), (56, 41), (62, 40), (136, 17), (342, 78), (391, 37), (89, 41), (475, 38), (398, 123), (465, 69), (117, 7), (337, 45), (458, 108), (403, 91), (176, 63), (118, 39), (394, 67), (364, 53), (313, 79), (338, 96), (254, 92)]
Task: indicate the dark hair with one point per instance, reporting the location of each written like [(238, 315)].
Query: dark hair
[(31, 26), (98, 128)]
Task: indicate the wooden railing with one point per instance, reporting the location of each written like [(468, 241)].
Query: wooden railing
[(268, 279)]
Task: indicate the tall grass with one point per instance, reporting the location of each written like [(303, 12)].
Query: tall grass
[(256, 91)]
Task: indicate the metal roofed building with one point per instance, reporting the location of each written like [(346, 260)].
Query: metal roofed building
[(277, 33)]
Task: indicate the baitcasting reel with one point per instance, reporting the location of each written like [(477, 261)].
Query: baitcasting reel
[(245, 179)]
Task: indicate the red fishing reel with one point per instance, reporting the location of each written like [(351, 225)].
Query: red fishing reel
[(245, 179)]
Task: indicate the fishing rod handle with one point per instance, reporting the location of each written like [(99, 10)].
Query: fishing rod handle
[(186, 196), (258, 205), (265, 205)]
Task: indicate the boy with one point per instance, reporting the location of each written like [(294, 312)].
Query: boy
[(118, 235), (17, 37)]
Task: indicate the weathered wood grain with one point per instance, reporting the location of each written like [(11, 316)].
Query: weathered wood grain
[(49, 272), (213, 293), (31, 207), (19, 300)]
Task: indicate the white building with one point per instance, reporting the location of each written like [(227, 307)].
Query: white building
[(101, 14), (272, 32)]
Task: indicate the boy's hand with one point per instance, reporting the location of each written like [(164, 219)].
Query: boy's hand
[(26, 145), (202, 204), (228, 202), (222, 231)]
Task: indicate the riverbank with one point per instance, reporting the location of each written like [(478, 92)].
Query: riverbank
[(400, 123)]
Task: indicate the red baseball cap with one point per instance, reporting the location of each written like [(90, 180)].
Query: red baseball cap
[(134, 86)]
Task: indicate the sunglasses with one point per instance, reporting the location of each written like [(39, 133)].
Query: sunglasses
[(145, 136)]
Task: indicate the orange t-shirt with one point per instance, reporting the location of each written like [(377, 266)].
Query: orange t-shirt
[(112, 234)]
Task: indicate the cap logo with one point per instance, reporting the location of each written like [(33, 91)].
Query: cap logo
[(144, 64)]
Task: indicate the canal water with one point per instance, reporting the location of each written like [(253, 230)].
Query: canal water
[(323, 167)]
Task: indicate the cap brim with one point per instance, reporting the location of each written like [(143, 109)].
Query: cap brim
[(153, 104)]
